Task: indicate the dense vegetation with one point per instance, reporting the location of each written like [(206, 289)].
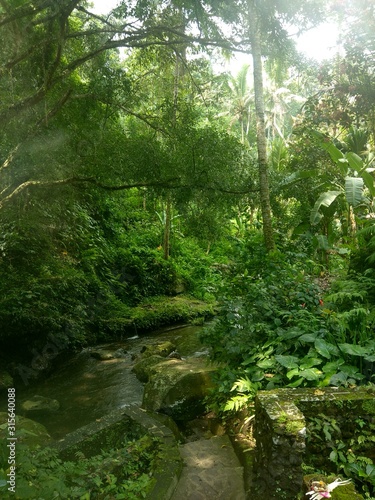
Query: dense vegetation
[(134, 169)]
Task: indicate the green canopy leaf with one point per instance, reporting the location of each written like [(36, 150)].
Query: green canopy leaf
[(324, 200), (355, 161), (354, 190)]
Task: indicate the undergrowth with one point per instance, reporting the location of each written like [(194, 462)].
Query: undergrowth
[(277, 328), (121, 473)]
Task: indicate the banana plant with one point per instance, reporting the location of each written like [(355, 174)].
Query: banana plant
[(356, 176)]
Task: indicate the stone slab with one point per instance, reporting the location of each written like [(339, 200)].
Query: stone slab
[(211, 471)]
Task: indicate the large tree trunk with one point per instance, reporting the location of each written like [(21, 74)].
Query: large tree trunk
[(260, 126)]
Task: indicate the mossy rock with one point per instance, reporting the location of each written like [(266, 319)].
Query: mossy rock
[(178, 388), (143, 368), (158, 350), (346, 492), (27, 431), (6, 381), (102, 355), (38, 404)]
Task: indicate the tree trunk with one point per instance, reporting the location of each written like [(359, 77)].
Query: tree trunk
[(167, 229), (256, 50)]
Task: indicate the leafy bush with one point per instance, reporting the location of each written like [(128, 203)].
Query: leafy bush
[(121, 473), (348, 441), (276, 330)]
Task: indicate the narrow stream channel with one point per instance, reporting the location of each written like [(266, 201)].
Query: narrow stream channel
[(88, 388)]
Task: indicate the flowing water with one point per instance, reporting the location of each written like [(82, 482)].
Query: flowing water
[(88, 388)]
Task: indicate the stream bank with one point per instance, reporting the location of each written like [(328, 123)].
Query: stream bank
[(99, 380), (27, 364)]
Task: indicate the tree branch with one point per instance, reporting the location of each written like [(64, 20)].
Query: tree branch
[(84, 180), (171, 183)]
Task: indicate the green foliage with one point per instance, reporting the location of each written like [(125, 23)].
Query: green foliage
[(277, 329), (122, 473), (343, 444)]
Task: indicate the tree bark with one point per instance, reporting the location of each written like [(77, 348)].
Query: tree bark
[(256, 50), (167, 229)]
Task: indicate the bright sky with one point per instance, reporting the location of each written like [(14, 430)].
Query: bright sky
[(319, 43)]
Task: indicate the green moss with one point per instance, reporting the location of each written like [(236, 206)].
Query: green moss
[(282, 419), (294, 426), (161, 311), (369, 406)]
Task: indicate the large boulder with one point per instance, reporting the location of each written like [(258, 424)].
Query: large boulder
[(178, 387), (27, 431), (149, 356), (40, 404), (158, 349), (143, 368)]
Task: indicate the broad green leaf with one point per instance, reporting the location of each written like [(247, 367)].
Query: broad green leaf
[(333, 152), (310, 374), (370, 470), (292, 373), (321, 242), (369, 182), (308, 362), (354, 190), (297, 383), (287, 361), (327, 144), (308, 337), (291, 333), (351, 371), (333, 366), (353, 350), (324, 348), (333, 456), (324, 200), (355, 161), (257, 376), (266, 364), (339, 378)]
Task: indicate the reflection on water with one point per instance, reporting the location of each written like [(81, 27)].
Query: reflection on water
[(87, 388)]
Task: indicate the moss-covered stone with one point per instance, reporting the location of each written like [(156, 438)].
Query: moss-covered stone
[(280, 432), (28, 431), (160, 311), (162, 350), (178, 388), (134, 423), (143, 367), (38, 404), (102, 355)]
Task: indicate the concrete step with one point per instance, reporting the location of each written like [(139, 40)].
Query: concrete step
[(211, 471)]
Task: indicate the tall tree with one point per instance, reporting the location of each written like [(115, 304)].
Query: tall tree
[(256, 49)]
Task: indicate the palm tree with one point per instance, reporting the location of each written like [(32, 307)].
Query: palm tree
[(241, 99)]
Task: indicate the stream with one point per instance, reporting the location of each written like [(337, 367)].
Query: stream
[(88, 388)]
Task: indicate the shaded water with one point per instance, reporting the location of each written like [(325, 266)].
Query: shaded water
[(87, 388)]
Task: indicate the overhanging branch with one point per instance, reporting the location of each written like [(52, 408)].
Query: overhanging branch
[(170, 183)]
